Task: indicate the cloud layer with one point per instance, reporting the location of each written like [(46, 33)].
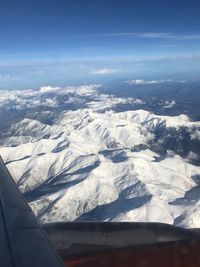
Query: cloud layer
[(45, 96)]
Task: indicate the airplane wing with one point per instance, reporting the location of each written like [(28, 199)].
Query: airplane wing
[(23, 243), (105, 244)]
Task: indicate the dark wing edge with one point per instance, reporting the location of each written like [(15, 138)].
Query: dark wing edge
[(24, 243)]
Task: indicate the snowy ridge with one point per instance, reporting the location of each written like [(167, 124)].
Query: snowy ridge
[(93, 163)]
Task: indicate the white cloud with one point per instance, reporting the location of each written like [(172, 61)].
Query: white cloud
[(195, 134), (20, 99), (51, 102), (167, 35), (139, 82), (103, 71), (169, 104), (157, 35), (48, 89), (143, 82)]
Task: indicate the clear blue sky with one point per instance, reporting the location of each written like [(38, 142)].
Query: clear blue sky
[(81, 41)]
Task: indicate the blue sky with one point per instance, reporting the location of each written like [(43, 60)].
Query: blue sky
[(60, 42)]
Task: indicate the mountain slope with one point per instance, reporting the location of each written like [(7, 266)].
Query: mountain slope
[(93, 163)]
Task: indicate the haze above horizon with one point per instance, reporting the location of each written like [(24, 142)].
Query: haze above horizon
[(73, 41)]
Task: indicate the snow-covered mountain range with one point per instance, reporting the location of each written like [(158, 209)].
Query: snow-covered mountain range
[(76, 157)]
